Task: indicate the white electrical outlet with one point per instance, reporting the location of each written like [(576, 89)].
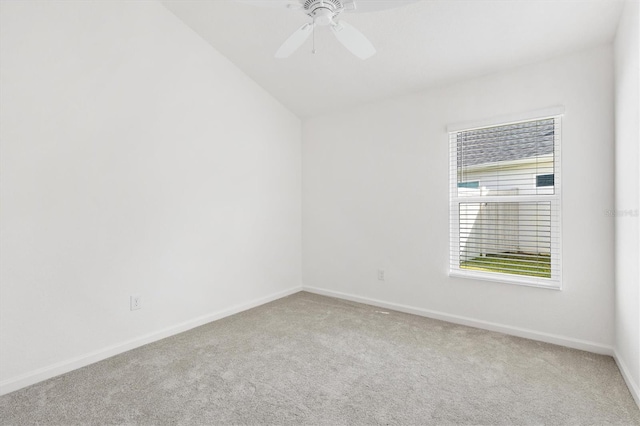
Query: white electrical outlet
[(381, 274), (136, 303)]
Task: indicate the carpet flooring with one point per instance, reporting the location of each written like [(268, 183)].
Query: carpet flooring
[(309, 359)]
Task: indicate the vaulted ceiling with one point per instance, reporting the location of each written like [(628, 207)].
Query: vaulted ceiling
[(419, 45)]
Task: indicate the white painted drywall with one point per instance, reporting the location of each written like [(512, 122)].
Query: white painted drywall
[(136, 159), (627, 198), (376, 196)]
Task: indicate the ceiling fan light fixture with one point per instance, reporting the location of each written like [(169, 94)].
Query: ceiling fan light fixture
[(323, 16)]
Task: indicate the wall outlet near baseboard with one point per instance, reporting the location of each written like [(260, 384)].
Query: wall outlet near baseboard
[(136, 302), (381, 274)]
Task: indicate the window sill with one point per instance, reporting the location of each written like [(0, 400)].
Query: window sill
[(508, 279)]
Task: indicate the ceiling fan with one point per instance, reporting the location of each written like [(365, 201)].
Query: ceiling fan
[(323, 13)]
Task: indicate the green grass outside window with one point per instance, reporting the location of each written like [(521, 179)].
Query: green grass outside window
[(536, 265)]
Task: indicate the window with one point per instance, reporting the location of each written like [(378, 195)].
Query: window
[(544, 180), (505, 202), (472, 184)]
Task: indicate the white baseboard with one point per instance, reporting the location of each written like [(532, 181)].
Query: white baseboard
[(634, 388), (472, 322), (62, 367)]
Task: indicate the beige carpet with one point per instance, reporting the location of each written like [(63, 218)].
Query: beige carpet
[(308, 359)]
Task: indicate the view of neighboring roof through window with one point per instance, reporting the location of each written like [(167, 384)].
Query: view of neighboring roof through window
[(506, 158)]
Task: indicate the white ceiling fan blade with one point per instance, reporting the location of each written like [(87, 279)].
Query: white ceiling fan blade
[(365, 6), (280, 4), (353, 40), (349, 5), (294, 41)]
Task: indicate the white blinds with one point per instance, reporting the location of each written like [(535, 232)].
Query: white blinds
[(505, 202)]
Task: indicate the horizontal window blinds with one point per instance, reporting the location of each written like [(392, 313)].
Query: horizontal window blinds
[(506, 226)]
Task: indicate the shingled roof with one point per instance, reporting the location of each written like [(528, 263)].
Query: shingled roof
[(505, 143)]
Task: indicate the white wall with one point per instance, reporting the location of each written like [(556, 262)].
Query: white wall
[(135, 159), (627, 160), (375, 196)]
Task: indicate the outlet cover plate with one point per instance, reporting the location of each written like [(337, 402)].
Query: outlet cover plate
[(136, 302)]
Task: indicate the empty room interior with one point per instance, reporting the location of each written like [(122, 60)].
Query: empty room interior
[(329, 212)]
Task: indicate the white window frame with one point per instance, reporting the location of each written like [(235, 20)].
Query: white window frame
[(553, 283)]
